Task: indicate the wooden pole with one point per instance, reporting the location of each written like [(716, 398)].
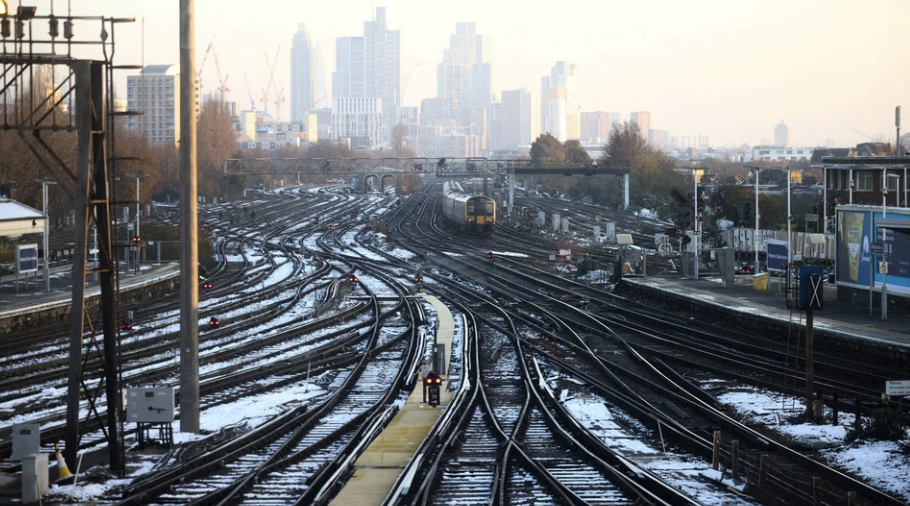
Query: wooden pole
[(715, 461)]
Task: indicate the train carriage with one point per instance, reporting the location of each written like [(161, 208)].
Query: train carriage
[(472, 214)]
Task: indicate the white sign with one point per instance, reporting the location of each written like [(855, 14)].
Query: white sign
[(897, 388), (665, 249), (565, 252)]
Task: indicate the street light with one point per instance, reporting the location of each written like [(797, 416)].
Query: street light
[(137, 177), (44, 183), (755, 169), (3, 9)]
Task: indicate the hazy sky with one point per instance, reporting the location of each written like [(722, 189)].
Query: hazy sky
[(730, 69)]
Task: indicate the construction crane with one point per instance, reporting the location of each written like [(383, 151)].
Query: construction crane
[(271, 85), (222, 81), (205, 57), (250, 91)]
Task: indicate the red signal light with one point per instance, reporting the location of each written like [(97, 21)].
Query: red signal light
[(126, 325), (214, 323)]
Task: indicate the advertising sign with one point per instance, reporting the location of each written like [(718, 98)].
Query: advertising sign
[(26, 258), (777, 255), (896, 250), (854, 247)]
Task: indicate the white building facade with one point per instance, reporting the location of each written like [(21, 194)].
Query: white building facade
[(358, 118), (775, 153), (156, 91)]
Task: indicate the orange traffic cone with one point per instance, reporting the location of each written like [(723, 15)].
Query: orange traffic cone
[(62, 470)]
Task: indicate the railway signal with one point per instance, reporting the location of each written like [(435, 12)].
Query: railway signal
[(214, 323), (137, 240), (492, 257), (432, 382), (353, 279), (418, 278), (331, 227), (207, 285), (126, 325)]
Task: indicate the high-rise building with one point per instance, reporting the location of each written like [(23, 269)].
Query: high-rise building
[(643, 120), (382, 55), (370, 67), (466, 75), (349, 78), (358, 119), (659, 139), (156, 91), (517, 118), (615, 119), (595, 126), (782, 135), (560, 109), (448, 130), (303, 74), (466, 71)]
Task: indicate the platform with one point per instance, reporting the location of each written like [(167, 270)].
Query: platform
[(445, 328), (30, 299), (378, 468), (838, 319)]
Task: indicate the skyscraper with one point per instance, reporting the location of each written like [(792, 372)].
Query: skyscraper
[(349, 78), (643, 120), (517, 118), (370, 67), (382, 55), (782, 135), (303, 74), (562, 117), (466, 71)]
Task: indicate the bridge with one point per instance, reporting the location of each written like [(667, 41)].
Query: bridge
[(380, 168)]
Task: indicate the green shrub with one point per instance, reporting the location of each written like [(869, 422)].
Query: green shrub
[(884, 425)]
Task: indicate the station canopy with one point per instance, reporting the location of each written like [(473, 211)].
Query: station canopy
[(18, 219)]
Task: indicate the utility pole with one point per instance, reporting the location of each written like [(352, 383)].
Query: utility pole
[(695, 219), (755, 232), (189, 254), (44, 183), (897, 124), (810, 364)]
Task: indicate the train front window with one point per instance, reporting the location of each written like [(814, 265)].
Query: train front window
[(489, 208), (471, 207)]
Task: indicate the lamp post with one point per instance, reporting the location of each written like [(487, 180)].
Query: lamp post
[(137, 177), (789, 218), (695, 219), (44, 184)]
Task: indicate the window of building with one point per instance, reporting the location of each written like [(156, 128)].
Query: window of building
[(893, 183), (864, 181)]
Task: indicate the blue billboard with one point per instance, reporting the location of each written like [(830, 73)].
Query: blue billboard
[(896, 247), (777, 255), (26, 258)]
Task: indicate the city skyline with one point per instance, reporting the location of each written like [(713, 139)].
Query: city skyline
[(702, 68)]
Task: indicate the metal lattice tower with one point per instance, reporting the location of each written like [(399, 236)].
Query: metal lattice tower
[(44, 92)]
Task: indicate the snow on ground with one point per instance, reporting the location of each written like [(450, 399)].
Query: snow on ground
[(691, 475), (254, 410), (510, 254), (878, 463)]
